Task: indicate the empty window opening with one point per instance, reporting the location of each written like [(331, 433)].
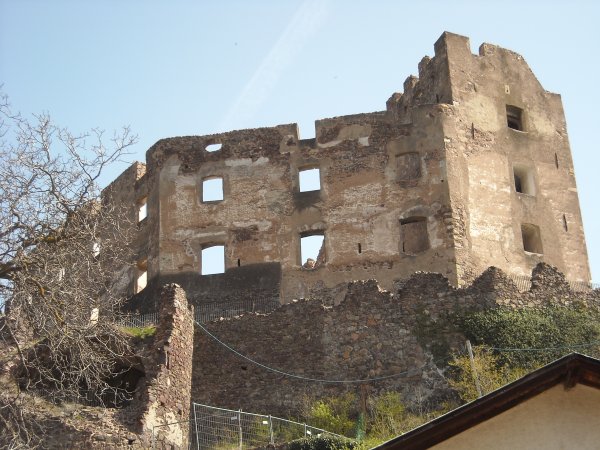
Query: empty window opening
[(565, 224), (414, 237), (96, 249), (213, 147), (409, 166), (310, 180), (212, 189), (142, 208), (514, 117), (532, 241), (359, 248), (213, 260), (142, 275), (312, 250), (523, 177), (239, 262), (556, 160)]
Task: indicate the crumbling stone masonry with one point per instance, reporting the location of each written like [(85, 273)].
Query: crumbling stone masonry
[(469, 168), (372, 333)]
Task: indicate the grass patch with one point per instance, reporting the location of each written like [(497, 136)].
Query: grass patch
[(140, 332)]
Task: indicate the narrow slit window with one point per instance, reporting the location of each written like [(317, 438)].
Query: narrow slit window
[(514, 117), (359, 248), (312, 250), (213, 260), (524, 182), (310, 180), (212, 189), (142, 275), (532, 241), (414, 236), (96, 249), (142, 206), (556, 160), (565, 224)]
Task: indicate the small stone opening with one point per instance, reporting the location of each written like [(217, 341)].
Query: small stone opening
[(409, 166), (142, 209), (312, 249), (532, 241), (309, 179), (212, 189), (359, 249), (212, 260), (524, 182), (565, 224), (556, 160), (213, 147), (414, 237), (514, 117), (141, 279)]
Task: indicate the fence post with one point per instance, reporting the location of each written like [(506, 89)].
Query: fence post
[(196, 427), (271, 430), (240, 428), (475, 376)]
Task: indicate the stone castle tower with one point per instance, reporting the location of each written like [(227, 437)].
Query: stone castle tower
[(470, 167)]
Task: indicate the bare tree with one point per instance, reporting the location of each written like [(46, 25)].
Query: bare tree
[(59, 246)]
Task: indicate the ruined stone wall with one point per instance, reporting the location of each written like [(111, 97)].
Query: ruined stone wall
[(371, 333), (163, 404)]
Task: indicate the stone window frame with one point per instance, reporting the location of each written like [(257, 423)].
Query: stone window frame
[(524, 178), (305, 168), (515, 118), (413, 219), (307, 233), (141, 273), (224, 191), (210, 245), (531, 237)]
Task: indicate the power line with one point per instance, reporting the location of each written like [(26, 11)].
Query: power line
[(300, 377)]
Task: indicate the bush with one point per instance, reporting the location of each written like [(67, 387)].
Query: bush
[(323, 443), (334, 414), (541, 327)]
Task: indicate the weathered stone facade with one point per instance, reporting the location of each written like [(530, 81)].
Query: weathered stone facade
[(469, 168)]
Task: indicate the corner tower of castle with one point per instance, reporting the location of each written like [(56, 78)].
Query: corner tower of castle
[(469, 167)]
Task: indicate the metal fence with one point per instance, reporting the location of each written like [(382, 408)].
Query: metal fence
[(206, 312), (524, 284), (224, 429)]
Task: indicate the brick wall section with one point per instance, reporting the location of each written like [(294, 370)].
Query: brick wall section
[(371, 333), (166, 398)]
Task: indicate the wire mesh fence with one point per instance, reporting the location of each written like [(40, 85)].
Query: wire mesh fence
[(206, 312), (224, 429)]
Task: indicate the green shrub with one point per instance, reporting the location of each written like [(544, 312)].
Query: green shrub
[(541, 327), (140, 332), (334, 414), (323, 442)]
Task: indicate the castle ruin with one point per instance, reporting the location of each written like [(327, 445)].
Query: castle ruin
[(469, 167)]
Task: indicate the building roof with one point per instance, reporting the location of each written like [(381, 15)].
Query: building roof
[(570, 370)]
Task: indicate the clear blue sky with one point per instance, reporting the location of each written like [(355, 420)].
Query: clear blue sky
[(198, 67)]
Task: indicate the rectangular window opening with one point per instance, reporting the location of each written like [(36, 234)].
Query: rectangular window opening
[(359, 248), (142, 275), (524, 182), (312, 250), (514, 117), (414, 236), (532, 241), (309, 179), (212, 260), (142, 209), (212, 189)]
